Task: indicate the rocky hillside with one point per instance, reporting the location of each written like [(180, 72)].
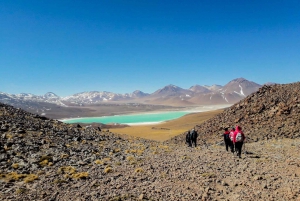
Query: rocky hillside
[(271, 112), (44, 159)]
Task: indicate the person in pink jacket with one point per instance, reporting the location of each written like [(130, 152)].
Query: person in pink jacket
[(238, 140), (231, 134)]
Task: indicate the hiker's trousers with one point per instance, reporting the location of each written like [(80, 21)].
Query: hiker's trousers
[(238, 148), (228, 143)]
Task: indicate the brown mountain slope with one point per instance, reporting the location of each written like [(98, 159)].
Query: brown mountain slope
[(171, 101), (241, 87), (216, 98), (271, 112)]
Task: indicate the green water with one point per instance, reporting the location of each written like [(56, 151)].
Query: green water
[(131, 119)]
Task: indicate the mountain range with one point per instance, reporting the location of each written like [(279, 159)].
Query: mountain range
[(232, 92)]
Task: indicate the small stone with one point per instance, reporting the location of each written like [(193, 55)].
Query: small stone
[(141, 197), (224, 183)]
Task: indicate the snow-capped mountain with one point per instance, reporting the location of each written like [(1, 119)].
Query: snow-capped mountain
[(214, 87), (138, 94), (232, 92), (240, 86), (51, 96), (94, 97), (200, 89), (172, 90)]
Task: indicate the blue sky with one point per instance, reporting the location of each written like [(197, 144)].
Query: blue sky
[(70, 46)]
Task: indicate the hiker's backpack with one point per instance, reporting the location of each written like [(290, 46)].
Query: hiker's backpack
[(231, 136), (193, 135), (227, 136), (188, 137), (239, 137)]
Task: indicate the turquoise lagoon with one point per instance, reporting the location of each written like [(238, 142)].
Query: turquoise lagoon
[(145, 118)]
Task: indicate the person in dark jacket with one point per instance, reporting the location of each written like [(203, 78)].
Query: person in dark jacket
[(194, 136), (188, 139), (227, 140)]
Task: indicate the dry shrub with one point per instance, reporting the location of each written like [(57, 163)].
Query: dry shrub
[(130, 158), (99, 162), (64, 156), (44, 163), (14, 176), (139, 170), (163, 147), (15, 165), (262, 160), (163, 175), (30, 178), (21, 190), (40, 172), (59, 181), (80, 175), (185, 157), (116, 150), (106, 159), (70, 172), (45, 157), (9, 136), (133, 151), (118, 163), (67, 170), (6, 148), (108, 170), (208, 174), (140, 152)]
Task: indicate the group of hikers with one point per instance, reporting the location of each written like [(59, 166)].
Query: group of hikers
[(233, 139), (191, 138)]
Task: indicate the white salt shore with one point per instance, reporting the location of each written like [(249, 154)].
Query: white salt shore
[(187, 110)]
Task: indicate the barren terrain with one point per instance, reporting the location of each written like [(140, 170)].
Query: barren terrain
[(45, 159)]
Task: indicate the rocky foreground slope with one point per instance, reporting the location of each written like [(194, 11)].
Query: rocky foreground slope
[(271, 112), (44, 159)]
